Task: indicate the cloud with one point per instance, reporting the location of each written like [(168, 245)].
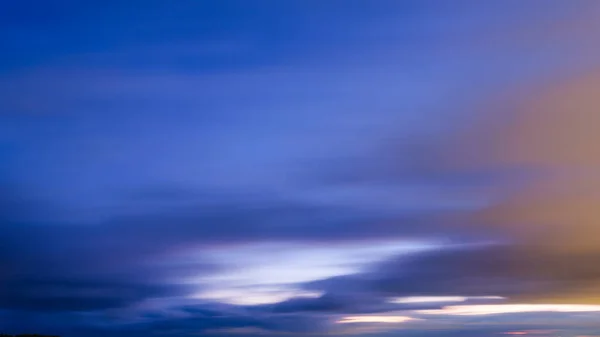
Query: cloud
[(136, 255), (506, 270), (343, 156), (547, 226), (344, 302), (551, 257), (68, 294), (127, 259)]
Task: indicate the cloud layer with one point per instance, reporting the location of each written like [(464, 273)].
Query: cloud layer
[(300, 168)]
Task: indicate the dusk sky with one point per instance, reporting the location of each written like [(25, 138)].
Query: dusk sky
[(300, 168)]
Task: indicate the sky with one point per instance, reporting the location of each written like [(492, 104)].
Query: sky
[(300, 168)]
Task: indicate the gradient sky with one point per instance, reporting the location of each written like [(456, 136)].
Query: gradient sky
[(300, 167)]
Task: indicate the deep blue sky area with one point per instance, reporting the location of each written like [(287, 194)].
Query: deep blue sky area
[(299, 167)]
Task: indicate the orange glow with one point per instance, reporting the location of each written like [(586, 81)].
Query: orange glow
[(494, 309)]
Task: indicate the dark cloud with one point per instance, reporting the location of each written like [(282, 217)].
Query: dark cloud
[(71, 294), (218, 317), (47, 266), (58, 266), (509, 270), (346, 302)]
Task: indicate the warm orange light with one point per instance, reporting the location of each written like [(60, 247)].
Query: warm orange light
[(493, 309)]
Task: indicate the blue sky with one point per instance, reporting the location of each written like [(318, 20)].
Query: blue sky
[(299, 167)]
